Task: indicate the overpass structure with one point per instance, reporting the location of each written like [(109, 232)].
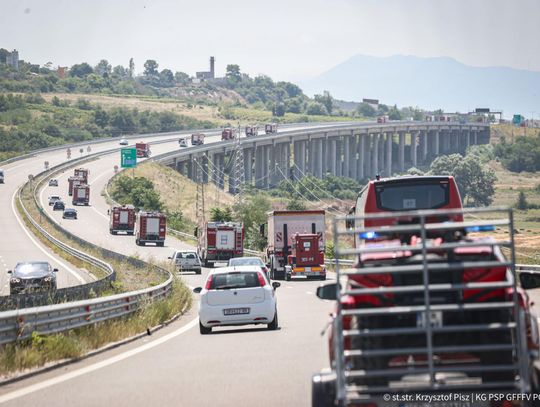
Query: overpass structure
[(358, 151)]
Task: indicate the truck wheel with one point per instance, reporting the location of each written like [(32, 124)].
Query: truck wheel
[(207, 264), (323, 391), (287, 276), (198, 271), (323, 277), (204, 330), (160, 244)]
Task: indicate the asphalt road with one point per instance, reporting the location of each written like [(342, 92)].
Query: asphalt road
[(177, 366)]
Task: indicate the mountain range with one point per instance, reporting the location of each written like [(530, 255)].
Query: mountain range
[(431, 83)]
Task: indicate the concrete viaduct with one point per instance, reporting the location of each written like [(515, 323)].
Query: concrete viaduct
[(358, 151)]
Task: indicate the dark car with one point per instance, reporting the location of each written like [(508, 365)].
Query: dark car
[(53, 182), (59, 206), (32, 276), (69, 213)]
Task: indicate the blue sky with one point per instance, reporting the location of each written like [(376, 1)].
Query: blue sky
[(288, 40)]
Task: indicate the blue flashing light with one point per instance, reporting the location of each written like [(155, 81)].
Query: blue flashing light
[(369, 235), (483, 228)]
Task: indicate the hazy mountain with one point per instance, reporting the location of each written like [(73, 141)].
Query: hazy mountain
[(431, 83)]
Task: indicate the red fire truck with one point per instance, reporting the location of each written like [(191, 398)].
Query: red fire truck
[(252, 131), (306, 258), (227, 134), (151, 227), (73, 182), (220, 241), (83, 173), (197, 139), (270, 128), (122, 219), (143, 149), (81, 195)]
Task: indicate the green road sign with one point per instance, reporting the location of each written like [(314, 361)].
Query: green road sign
[(128, 157)]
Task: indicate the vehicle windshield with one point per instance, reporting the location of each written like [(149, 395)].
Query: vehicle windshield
[(27, 269), (245, 262), (224, 281), (412, 196)]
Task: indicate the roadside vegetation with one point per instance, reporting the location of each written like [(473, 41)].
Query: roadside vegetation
[(39, 350)]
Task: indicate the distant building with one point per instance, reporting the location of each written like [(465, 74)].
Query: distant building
[(12, 59), (207, 75)]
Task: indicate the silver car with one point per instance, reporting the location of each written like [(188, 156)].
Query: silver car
[(187, 260)]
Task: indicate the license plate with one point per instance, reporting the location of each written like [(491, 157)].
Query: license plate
[(307, 269), (235, 311), (435, 319)]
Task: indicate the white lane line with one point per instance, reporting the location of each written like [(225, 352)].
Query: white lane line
[(309, 293), (23, 227), (96, 366)]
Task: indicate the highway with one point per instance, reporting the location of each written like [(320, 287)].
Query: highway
[(177, 366)]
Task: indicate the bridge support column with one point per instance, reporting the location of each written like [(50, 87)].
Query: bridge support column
[(204, 168), (467, 139), (382, 156), (361, 150), (181, 167), (368, 156), (375, 154), (345, 166), (339, 157), (311, 157), (319, 158), (248, 165), (424, 146), (401, 151), (414, 161), (221, 170), (268, 165), (389, 142), (436, 143), (332, 156), (353, 165), (259, 166)]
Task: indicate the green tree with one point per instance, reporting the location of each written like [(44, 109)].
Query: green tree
[(522, 203), (232, 73), (476, 184), (166, 77), (131, 69), (221, 215), (81, 70), (150, 67), (316, 108), (326, 100), (366, 110), (394, 113), (103, 68), (119, 71), (296, 204), (181, 78)]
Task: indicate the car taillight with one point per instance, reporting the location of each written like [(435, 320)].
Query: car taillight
[(208, 282), (262, 280)]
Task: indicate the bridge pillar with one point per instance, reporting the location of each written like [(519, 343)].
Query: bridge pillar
[(204, 168), (436, 143), (401, 151), (353, 166), (475, 137), (302, 157), (361, 149), (368, 156), (414, 146), (424, 145), (312, 156), (345, 167), (259, 166), (319, 159), (268, 165), (382, 155), (331, 145), (457, 146), (339, 157), (190, 167), (389, 140), (445, 142), (248, 165), (467, 139), (374, 154)]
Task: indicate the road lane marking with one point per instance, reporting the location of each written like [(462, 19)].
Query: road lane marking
[(23, 226), (96, 366)]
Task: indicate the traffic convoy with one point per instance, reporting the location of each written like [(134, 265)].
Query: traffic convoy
[(428, 303)]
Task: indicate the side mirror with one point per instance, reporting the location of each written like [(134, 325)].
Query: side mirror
[(529, 279), (197, 290), (196, 232), (327, 292), (276, 284), (268, 265), (170, 258), (10, 271), (55, 270)]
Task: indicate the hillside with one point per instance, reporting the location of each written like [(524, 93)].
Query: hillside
[(432, 83)]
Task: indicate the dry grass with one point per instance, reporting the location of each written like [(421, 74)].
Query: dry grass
[(510, 132)]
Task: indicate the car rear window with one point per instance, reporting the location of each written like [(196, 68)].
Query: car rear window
[(406, 197), (224, 281), (246, 262)]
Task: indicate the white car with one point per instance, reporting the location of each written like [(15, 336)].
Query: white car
[(124, 142), (249, 261), (182, 142), (187, 260), (237, 296)]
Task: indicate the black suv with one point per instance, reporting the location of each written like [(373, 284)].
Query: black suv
[(32, 276), (59, 206)]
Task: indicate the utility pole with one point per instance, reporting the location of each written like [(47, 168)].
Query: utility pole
[(239, 176)]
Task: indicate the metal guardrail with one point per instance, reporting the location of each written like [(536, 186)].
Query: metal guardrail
[(20, 323)]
